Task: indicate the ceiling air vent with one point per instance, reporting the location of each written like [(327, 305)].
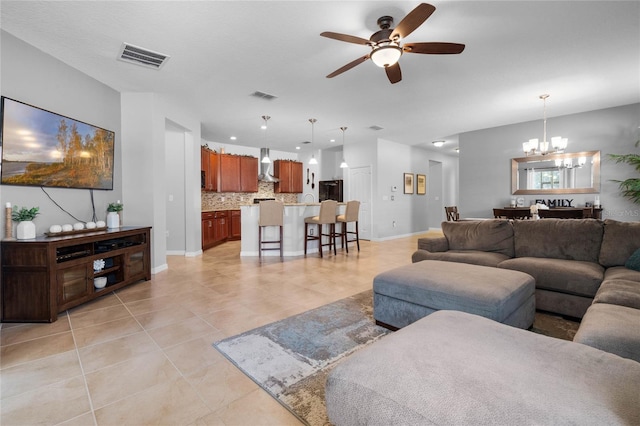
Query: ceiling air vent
[(141, 56), (376, 127), (262, 95)]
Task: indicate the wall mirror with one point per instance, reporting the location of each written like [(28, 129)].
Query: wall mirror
[(569, 173)]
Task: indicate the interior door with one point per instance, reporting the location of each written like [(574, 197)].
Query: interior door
[(360, 189)]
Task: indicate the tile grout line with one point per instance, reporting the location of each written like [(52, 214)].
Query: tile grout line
[(84, 376)]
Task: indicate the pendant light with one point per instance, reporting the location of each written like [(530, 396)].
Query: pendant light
[(266, 159), (534, 147), (344, 164), (313, 156)]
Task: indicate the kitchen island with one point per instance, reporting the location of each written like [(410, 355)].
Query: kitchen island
[(294, 214)]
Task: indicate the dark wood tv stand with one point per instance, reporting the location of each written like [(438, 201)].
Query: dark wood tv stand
[(47, 275)]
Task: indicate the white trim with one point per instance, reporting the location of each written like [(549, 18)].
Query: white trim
[(160, 268)]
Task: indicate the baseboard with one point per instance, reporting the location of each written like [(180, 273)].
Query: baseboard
[(395, 237), (160, 268), (175, 252)]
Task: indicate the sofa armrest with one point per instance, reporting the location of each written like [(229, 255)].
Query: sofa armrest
[(419, 256), (437, 244)]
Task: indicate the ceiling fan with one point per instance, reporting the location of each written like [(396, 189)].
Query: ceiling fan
[(385, 43)]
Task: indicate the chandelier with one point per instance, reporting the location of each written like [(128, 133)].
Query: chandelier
[(534, 147)]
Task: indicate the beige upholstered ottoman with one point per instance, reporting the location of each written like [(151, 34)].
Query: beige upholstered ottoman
[(406, 294), (452, 368)]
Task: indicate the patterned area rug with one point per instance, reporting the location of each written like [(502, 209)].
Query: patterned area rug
[(291, 358)]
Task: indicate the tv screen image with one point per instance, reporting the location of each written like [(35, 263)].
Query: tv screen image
[(42, 148)]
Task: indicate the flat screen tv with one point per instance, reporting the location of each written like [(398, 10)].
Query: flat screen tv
[(42, 148)]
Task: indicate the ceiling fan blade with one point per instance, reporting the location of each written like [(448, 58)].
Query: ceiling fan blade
[(345, 37), (393, 73), (433, 48), (349, 66), (413, 20)]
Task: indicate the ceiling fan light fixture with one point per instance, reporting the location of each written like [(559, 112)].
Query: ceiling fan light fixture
[(386, 55)]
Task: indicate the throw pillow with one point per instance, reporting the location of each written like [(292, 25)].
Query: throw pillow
[(634, 261)]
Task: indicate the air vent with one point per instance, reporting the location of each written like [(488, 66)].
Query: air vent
[(262, 95), (305, 142), (141, 56), (376, 127)]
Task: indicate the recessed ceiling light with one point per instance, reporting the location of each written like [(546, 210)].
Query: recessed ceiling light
[(457, 150), (438, 143), (332, 140), (297, 147), (233, 138)]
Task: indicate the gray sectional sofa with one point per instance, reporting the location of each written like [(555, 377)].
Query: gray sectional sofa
[(578, 265)]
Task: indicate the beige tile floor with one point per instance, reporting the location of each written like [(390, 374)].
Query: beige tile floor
[(143, 355)]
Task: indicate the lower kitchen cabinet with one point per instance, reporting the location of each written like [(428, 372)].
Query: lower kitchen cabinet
[(220, 226)]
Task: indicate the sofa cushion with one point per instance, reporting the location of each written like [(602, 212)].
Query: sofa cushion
[(611, 328), (569, 239), (452, 368), (565, 276), (634, 261), (619, 292), (473, 257), (621, 273), (620, 240), (494, 235), (433, 244)]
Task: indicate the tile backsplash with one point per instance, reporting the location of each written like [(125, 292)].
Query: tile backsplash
[(233, 200)]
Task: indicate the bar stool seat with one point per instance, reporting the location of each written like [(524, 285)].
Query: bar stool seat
[(326, 216), (271, 214), (350, 215)]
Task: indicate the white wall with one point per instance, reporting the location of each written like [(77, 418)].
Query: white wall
[(175, 188), (485, 159), (33, 77)]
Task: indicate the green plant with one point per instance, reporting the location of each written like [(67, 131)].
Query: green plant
[(24, 214), (114, 207), (630, 188)]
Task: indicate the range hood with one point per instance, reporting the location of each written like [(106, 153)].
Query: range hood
[(265, 168)]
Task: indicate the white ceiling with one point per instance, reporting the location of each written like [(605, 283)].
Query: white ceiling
[(585, 54)]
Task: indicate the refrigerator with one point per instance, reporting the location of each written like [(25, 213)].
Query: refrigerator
[(330, 190)]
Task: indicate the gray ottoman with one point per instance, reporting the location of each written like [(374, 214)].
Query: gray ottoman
[(408, 293), (452, 368)]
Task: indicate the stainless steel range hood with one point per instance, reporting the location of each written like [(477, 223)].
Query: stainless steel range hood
[(265, 168)]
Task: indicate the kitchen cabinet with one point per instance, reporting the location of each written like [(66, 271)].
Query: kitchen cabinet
[(220, 227), (50, 274), (238, 173), (207, 230), (248, 174), (229, 173), (209, 164), (289, 174), (235, 225)]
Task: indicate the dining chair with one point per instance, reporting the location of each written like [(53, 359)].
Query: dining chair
[(452, 213), (326, 216)]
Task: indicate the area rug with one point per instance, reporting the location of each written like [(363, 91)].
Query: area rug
[(291, 358)]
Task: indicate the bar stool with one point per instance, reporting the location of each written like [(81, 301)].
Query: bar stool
[(327, 216), (350, 215), (271, 214)]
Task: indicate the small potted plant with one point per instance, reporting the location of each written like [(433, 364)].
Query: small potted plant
[(113, 215), (26, 229)]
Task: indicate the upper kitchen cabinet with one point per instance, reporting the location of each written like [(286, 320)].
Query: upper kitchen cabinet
[(289, 174), (248, 174), (209, 167), (238, 173)]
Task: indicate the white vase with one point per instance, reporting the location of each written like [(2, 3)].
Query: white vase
[(113, 220), (26, 230)]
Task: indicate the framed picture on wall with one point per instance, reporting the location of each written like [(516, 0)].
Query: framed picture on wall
[(408, 183), (421, 184)]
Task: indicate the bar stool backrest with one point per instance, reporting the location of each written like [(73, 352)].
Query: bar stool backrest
[(352, 210), (271, 213), (328, 211)]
